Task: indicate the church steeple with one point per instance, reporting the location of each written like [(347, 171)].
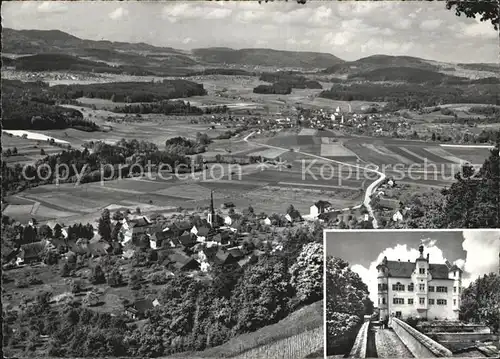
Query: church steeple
[(212, 210), (211, 216)]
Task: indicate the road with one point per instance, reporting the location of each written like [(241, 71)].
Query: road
[(389, 345), (369, 190)]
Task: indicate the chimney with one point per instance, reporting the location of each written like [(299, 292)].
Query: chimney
[(448, 264)]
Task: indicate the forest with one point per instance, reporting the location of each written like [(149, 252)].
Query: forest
[(91, 166), (412, 96), (178, 108), (274, 89), (290, 79), (30, 105), (131, 91)]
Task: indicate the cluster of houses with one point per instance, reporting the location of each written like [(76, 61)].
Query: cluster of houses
[(375, 124)]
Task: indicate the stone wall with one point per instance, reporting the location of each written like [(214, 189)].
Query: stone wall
[(463, 337), (420, 345), (359, 348)]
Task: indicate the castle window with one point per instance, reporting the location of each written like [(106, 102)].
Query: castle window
[(441, 289), (410, 300), (411, 287), (454, 289), (421, 287), (431, 301), (441, 302), (398, 301), (398, 287), (383, 300), (431, 288), (422, 270), (454, 302), (422, 300)]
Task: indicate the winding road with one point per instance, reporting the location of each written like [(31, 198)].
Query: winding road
[(369, 190)]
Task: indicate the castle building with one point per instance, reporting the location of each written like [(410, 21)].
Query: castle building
[(419, 289)]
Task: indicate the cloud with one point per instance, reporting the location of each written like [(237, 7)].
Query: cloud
[(187, 40), (338, 39), (482, 249), (118, 13), (189, 11), (52, 7), (431, 24), (480, 29), (403, 24)]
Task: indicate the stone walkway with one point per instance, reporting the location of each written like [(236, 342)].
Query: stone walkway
[(389, 345)]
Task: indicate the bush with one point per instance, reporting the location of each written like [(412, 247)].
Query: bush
[(22, 283)]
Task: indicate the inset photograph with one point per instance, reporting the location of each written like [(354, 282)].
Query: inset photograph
[(412, 293)]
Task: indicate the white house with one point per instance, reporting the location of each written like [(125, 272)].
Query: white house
[(201, 233), (419, 289), (319, 207), (267, 221), (397, 217)]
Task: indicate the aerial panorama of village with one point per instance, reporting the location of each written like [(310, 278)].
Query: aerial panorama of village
[(169, 170)]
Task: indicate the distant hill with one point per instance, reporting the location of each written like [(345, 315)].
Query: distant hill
[(55, 62), (122, 53), (374, 62), (266, 57), (404, 74), (35, 41)]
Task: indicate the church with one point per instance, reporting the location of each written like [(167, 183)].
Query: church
[(419, 289)]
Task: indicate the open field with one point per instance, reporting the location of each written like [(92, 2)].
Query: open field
[(28, 150), (151, 127), (269, 190)]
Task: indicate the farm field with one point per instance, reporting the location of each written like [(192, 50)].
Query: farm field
[(409, 152), (152, 128), (270, 190), (28, 149)]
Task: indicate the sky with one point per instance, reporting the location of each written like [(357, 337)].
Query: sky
[(476, 252), (349, 30)]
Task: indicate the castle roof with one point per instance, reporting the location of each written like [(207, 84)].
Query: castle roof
[(405, 269)]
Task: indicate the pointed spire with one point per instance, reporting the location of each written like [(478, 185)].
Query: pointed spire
[(212, 210)]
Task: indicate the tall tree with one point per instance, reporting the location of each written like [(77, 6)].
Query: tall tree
[(104, 226)]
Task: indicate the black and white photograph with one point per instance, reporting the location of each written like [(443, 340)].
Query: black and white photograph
[(169, 167), (414, 294)]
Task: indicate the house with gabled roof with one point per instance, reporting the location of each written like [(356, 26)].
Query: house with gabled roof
[(30, 253), (201, 232), (186, 240), (319, 207), (139, 308), (266, 221), (231, 218), (293, 216), (179, 227), (161, 238), (181, 261)]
